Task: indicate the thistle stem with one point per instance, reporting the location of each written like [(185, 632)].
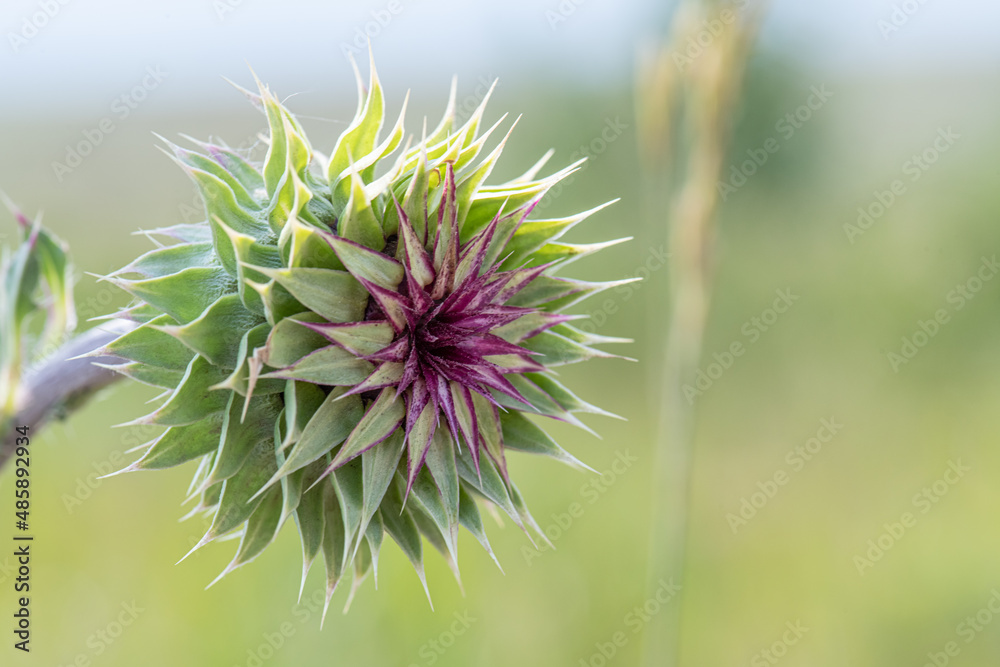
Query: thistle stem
[(63, 382)]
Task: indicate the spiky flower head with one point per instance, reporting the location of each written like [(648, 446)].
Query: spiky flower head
[(355, 341)]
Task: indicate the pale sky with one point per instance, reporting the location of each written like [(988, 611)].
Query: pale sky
[(88, 51)]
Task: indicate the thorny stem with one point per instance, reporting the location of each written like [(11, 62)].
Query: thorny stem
[(63, 383)]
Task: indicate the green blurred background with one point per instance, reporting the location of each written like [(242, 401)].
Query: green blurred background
[(102, 544)]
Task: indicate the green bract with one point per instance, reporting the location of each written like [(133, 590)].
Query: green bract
[(354, 341), (37, 278)]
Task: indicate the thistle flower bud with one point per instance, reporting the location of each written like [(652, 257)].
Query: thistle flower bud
[(356, 342)]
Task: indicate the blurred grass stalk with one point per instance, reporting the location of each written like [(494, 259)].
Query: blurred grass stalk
[(686, 96)]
